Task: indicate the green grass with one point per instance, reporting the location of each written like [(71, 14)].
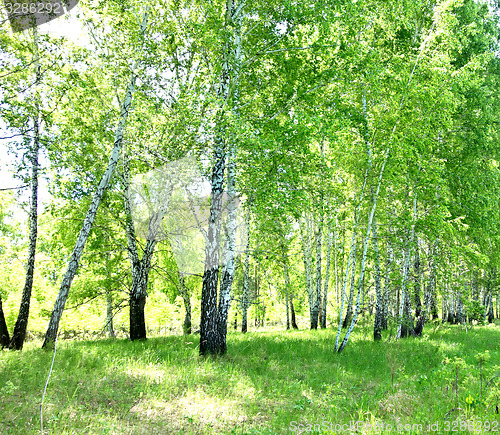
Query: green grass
[(267, 381)]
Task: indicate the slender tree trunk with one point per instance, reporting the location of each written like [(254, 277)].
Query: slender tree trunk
[(246, 279), (348, 314), (352, 255), (387, 280), (379, 310), (365, 249), (4, 331), (317, 295), (306, 250), (186, 326), (55, 318), (417, 280), (405, 317), (109, 313), (324, 300), (292, 313), (19, 334), (287, 286)]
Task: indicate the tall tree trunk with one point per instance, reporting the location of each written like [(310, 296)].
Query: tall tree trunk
[(348, 314), (229, 255), (287, 286), (19, 334), (417, 280), (292, 313), (246, 278), (186, 326), (317, 295), (55, 318), (109, 313), (405, 317), (213, 325), (387, 280), (4, 331), (229, 252), (379, 310), (352, 255), (365, 249), (306, 251), (324, 299)]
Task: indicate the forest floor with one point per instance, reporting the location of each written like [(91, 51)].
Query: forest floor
[(270, 382)]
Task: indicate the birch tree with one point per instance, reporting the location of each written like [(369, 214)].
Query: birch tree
[(55, 318)]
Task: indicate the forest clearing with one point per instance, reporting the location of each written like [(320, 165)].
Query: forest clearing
[(235, 216), (270, 383)]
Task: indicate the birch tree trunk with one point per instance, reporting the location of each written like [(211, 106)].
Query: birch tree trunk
[(109, 314), (246, 279), (213, 323), (287, 286), (306, 251), (229, 254), (19, 334), (324, 299), (348, 314), (186, 326), (405, 317), (317, 295), (365, 250), (387, 280), (74, 261), (229, 264), (379, 303)]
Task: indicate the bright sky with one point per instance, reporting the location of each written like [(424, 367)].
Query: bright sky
[(69, 26)]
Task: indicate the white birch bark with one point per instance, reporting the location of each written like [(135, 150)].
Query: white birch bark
[(365, 248), (74, 261), (324, 299), (406, 269), (19, 333), (349, 261)]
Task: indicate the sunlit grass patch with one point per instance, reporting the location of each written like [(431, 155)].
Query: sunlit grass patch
[(266, 381)]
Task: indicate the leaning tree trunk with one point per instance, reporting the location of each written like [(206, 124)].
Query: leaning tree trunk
[(4, 331), (365, 250), (348, 314), (352, 255), (19, 334), (55, 318)]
